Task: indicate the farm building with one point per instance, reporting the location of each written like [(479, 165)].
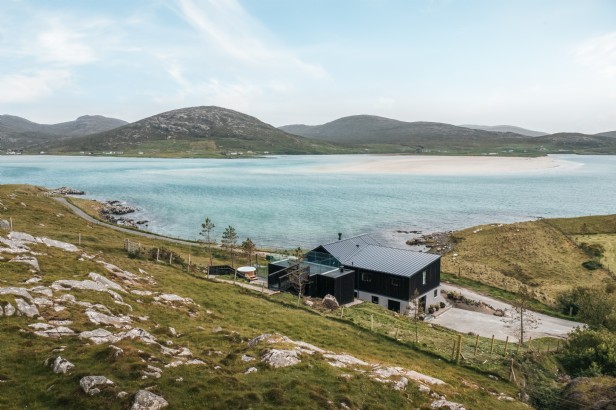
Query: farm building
[(359, 267)]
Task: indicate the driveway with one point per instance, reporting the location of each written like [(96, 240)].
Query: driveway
[(487, 325)]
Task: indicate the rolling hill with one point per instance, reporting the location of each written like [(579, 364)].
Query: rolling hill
[(20, 133), (196, 131), (506, 128)]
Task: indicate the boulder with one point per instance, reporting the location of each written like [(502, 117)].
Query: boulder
[(61, 365), (91, 384), (105, 282), (42, 290), (145, 400), (16, 292), (171, 298), (25, 309), (9, 310), (251, 370), (116, 351), (330, 302), (152, 371), (280, 358), (55, 332), (28, 260), (21, 237), (69, 247), (5, 225), (444, 404), (99, 336), (401, 384)]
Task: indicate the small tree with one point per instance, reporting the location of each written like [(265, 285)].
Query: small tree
[(298, 278), (248, 247), (206, 229), (229, 239), (522, 318)]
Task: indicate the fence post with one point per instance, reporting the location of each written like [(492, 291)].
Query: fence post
[(459, 350), (528, 349), (79, 239), (476, 344), (371, 323), (492, 344), (506, 343), (453, 350), (517, 350), (11, 224), (157, 254), (557, 345)]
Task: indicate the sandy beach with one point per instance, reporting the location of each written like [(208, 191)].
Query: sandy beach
[(424, 165)]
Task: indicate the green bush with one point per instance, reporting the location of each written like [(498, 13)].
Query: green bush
[(590, 352), (592, 265)]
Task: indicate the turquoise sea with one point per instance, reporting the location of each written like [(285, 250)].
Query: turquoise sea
[(291, 201)]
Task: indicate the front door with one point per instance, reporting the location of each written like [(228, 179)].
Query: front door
[(422, 304), (393, 305)]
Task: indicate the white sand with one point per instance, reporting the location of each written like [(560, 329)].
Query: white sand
[(428, 165)]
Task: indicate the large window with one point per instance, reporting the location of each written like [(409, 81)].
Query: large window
[(366, 277), (423, 277)]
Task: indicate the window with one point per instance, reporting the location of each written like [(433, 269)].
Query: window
[(423, 277), (375, 299), (366, 277), (435, 293), (395, 282)]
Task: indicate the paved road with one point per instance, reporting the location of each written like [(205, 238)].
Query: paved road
[(88, 218), (487, 325)]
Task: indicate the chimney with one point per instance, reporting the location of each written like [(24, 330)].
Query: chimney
[(341, 268), (339, 236)]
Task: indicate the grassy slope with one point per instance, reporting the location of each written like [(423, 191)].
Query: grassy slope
[(539, 254), (311, 384)]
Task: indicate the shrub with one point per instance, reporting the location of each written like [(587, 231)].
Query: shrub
[(590, 353), (442, 304), (592, 265)]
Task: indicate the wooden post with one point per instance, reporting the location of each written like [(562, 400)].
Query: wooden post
[(557, 345), (397, 331), (371, 323), (11, 224), (170, 257), (79, 241), (511, 372), (506, 343), (453, 350), (459, 350), (476, 344), (157, 254), (492, 344), (342, 312), (528, 347)]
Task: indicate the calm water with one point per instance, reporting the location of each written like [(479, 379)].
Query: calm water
[(283, 201)]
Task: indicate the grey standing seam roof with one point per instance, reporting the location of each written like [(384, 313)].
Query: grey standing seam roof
[(364, 252), (345, 248), (401, 262)]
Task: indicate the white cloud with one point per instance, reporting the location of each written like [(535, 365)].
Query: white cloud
[(59, 44), (226, 25), (28, 87), (599, 53)]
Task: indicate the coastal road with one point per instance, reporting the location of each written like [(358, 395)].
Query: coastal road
[(486, 325), (77, 211)]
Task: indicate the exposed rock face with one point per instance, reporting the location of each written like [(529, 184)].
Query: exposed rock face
[(63, 285), (444, 404), (91, 384), (105, 282), (9, 310), (55, 332), (145, 400), (152, 371), (25, 309), (66, 191), (16, 291), (100, 336), (61, 365), (171, 298), (330, 302)]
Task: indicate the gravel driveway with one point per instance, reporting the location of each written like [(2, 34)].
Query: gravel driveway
[(487, 325)]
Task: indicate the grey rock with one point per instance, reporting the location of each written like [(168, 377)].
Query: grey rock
[(5, 225), (28, 260), (330, 302), (251, 370), (401, 384), (61, 365), (42, 290), (145, 400), (55, 332), (101, 318), (116, 351), (105, 282), (246, 358), (16, 292), (90, 384), (58, 244), (25, 309), (122, 395), (21, 237), (9, 310), (280, 358), (444, 404)]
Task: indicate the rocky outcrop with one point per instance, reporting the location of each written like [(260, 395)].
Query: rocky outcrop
[(9, 310), (92, 384), (170, 298), (28, 260), (66, 191), (445, 404), (5, 225), (146, 400), (330, 302), (16, 292), (25, 309), (61, 365), (101, 318), (280, 358)]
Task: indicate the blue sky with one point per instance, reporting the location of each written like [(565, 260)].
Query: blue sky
[(545, 65)]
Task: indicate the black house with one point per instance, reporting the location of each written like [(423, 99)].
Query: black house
[(359, 267)]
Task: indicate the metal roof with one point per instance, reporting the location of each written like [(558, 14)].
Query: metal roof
[(364, 252), (345, 248)]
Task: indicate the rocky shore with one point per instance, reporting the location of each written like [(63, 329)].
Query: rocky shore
[(113, 211), (438, 242), (66, 191)]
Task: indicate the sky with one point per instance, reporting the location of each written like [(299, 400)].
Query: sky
[(539, 64)]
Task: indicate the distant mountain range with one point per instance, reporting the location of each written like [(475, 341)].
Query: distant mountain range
[(194, 131), (506, 128), (216, 131), (17, 132)]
